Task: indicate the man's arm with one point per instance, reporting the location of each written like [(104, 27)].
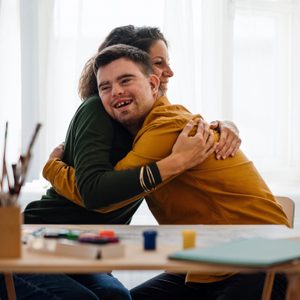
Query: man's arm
[(187, 152), (62, 178), (161, 137)]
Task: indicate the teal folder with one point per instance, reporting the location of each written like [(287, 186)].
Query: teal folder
[(256, 252)]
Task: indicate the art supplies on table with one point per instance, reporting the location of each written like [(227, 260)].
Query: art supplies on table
[(256, 252), (73, 243), (150, 239), (188, 239)]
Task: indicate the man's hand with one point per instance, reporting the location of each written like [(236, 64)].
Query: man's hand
[(57, 152), (196, 148), (229, 142)]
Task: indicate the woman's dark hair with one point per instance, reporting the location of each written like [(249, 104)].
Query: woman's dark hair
[(139, 37)]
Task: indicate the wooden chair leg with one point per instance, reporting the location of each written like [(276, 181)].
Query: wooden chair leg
[(268, 285), (10, 287), (293, 291)]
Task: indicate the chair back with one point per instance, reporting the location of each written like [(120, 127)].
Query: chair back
[(288, 206)]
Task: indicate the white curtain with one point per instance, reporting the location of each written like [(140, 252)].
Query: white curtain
[(10, 80), (233, 59), (266, 85)]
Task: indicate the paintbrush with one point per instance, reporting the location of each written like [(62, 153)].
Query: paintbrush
[(19, 171), (24, 161), (4, 169)]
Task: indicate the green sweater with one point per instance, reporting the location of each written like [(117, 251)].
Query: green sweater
[(93, 145)]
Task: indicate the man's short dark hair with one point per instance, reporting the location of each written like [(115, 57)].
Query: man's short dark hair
[(112, 53)]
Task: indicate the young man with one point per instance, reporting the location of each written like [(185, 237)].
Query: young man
[(214, 192), (231, 191)]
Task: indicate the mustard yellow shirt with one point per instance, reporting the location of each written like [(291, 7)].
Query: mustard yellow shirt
[(229, 191)]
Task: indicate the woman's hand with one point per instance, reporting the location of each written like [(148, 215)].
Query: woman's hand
[(57, 152), (229, 142), (194, 149)]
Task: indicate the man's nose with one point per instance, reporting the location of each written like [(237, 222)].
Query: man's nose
[(117, 89)]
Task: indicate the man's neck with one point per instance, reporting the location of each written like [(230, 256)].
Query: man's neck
[(134, 128)]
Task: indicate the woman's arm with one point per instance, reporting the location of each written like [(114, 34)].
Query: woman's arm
[(229, 142)]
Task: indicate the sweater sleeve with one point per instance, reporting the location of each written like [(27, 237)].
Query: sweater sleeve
[(62, 178)]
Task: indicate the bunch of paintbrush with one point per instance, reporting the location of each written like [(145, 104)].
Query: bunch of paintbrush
[(9, 195)]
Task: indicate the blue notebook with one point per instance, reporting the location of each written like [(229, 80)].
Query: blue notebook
[(256, 252)]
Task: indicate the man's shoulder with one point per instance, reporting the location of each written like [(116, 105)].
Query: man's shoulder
[(164, 113)]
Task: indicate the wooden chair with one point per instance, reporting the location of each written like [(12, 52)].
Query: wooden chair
[(288, 206), (10, 287)]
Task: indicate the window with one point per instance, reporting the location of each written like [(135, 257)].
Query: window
[(263, 82), (233, 59)]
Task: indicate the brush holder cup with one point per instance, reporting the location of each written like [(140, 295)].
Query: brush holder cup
[(10, 231)]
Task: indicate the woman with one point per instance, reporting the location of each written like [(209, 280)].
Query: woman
[(53, 208)]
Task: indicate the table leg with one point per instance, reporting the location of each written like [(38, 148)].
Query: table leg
[(10, 287), (267, 291)]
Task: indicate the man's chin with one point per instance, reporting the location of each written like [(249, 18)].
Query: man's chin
[(124, 121)]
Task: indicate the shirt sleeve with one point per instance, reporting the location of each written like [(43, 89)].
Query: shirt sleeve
[(62, 178)]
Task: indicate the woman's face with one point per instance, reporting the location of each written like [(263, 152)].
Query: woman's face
[(160, 62)]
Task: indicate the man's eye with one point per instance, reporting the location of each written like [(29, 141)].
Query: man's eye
[(104, 88), (125, 80)]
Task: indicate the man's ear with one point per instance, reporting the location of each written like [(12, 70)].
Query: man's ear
[(154, 83)]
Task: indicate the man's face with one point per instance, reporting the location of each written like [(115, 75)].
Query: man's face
[(126, 93)]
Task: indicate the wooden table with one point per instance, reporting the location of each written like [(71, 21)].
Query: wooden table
[(169, 240)]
